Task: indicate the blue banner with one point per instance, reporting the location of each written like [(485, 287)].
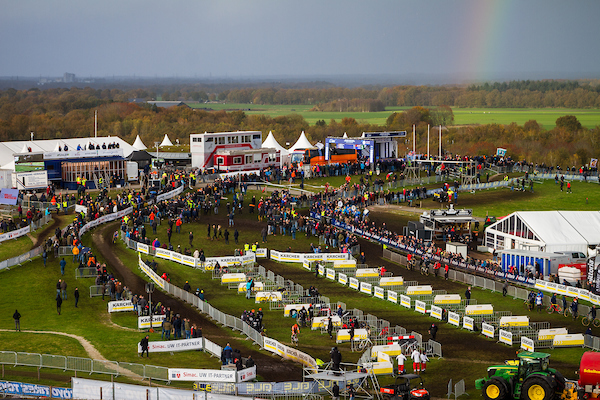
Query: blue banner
[(29, 389)]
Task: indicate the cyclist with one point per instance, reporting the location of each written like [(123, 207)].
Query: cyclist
[(538, 300), (531, 299), (295, 332), (553, 301), (574, 306), (592, 314)]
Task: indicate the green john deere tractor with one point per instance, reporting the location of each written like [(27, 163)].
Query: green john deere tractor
[(527, 378)]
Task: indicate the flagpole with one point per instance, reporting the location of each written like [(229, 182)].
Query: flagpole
[(414, 149), (428, 155)]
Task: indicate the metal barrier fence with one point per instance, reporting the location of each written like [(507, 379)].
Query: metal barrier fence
[(86, 272), (81, 364), (18, 260), (512, 291)]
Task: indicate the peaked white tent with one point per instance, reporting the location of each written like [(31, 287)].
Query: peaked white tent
[(138, 144), (166, 141), (271, 143), (301, 144), (345, 136)]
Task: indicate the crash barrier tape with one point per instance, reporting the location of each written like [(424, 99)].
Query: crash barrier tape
[(230, 321), (31, 389), (81, 364)]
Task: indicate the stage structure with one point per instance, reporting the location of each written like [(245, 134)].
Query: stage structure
[(465, 172), (361, 381)]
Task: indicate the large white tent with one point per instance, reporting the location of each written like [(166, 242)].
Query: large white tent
[(301, 144), (9, 149), (138, 144), (271, 143), (549, 231), (166, 141)]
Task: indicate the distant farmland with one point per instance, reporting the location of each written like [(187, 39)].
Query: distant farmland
[(462, 116)]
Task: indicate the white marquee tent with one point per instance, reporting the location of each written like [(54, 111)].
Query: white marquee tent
[(138, 144), (301, 144), (271, 143), (9, 149), (549, 231), (166, 141)]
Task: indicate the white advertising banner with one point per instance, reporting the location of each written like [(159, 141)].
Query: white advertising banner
[(505, 337), (379, 292), (143, 248), (330, 274), (436, 312), (173, 345), (468, 323), (158, 280), (202, 375), (144, 322), (453, 318), (15, 234), (404, 301), (91, 389), (170, 194), (246, 374), (354, 283), (365, 288), (116, 306), (548, 334), (343, 279), (487, 330), (527, 344), (31, 180), (420, 306), (392, 296)]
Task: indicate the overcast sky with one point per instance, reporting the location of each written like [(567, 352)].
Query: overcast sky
[(461, 39)]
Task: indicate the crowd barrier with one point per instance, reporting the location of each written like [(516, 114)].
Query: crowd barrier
[(229, 320), (81, 364), (301, 257), (514, 292), (17, 233), (408, 249)]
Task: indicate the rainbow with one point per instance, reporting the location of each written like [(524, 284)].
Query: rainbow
[(482, 42)]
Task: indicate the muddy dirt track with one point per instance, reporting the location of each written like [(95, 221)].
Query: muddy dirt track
[(270, 367)]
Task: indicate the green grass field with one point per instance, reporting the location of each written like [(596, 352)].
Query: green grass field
[(462, 116), (31, 289)]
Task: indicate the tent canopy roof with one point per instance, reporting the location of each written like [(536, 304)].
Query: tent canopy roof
[(302, 143), (554, 228), (166, 141), (271, 143), (138, 144)]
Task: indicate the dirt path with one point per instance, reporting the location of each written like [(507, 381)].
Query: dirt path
[(45, 233), (270, 367), (89, 348)]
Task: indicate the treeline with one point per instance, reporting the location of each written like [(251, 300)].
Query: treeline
[(354, 105), (63, 113)]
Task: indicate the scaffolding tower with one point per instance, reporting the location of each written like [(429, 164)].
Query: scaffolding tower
[(365, 384)]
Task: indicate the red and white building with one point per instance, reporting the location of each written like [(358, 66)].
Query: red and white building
[(231, 151), (245, 160)]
